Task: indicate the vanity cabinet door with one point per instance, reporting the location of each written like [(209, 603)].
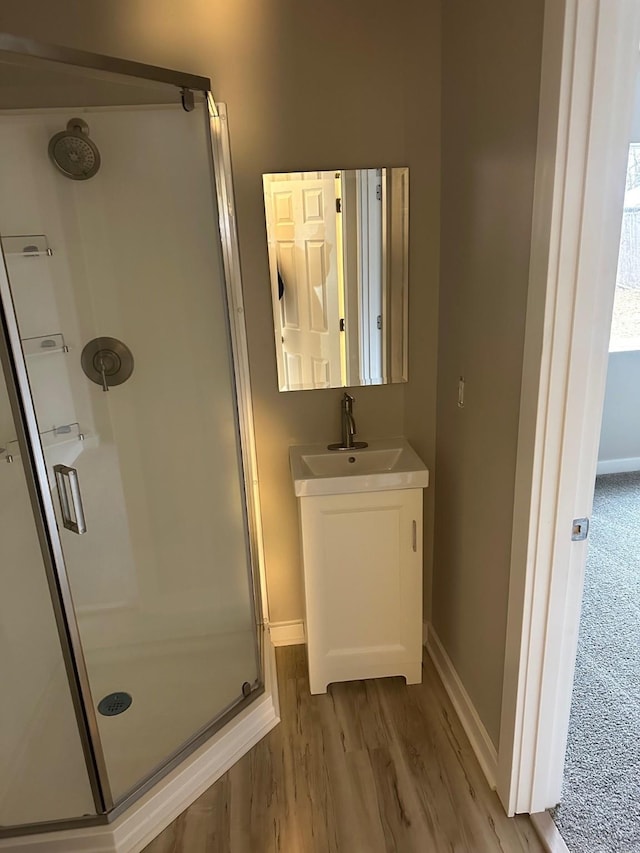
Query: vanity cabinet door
[(363, 585)]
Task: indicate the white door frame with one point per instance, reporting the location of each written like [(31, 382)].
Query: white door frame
[(590, 51)]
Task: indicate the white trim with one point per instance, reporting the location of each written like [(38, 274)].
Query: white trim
[(69, 841), (589, 68), (287, 633), (548, 833), (479, 739), (153, 812), (618, 466)]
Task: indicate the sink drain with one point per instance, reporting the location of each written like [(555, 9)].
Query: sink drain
[(114, 703)]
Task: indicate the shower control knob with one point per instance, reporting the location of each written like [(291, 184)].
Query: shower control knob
[(107, 362)]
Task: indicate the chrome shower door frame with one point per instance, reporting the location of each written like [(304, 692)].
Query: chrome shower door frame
[(13, 364), (222, 172)]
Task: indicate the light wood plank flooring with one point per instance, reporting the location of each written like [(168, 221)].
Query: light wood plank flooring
[(371, 767)]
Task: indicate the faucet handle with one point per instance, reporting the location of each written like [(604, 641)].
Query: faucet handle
[(348, 398)]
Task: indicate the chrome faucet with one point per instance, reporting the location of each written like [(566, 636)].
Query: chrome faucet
[(348, 423), (348, 427)]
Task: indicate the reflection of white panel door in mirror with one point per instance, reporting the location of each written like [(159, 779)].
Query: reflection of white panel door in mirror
[(301, 224)]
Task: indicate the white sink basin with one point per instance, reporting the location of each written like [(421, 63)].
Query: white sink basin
[(384, 464)]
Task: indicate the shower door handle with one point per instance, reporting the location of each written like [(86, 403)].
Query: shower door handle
[(65, 475)]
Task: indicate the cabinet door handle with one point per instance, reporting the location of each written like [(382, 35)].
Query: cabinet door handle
[(414, 536)]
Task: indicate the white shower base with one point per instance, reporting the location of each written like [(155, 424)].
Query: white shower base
[(177, 686), (154, 811)]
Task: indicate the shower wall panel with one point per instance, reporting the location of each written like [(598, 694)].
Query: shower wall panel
[(152, 268), (124, 264), (45, 303)]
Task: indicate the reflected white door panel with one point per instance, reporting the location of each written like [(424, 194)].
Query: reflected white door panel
[(304, 256)]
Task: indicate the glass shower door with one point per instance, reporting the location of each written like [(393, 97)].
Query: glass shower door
[(119, 300), (43, 775)]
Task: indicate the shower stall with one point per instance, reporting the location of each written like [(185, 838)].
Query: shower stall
[(130, 620)]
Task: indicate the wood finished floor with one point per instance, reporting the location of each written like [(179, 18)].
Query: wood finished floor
[(371, 767)]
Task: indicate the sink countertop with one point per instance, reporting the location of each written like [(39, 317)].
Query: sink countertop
[(389, 463)]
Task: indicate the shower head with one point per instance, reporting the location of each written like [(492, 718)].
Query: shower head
[(73, 152)]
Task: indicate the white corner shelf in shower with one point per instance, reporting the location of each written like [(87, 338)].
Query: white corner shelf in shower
[(26, 246), (44, 345)]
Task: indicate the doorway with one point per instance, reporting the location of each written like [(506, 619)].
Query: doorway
[(590, 59), (600, 808)]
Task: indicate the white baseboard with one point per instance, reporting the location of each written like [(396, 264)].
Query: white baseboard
[(618, 466), (481, 743), (548, 833), (146, 819), (287, 633)]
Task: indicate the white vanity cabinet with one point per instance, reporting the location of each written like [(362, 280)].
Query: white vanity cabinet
[(362, 555)]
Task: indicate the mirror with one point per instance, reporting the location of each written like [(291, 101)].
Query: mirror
[(338, 261)]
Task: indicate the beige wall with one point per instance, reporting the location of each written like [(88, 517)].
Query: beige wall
[(422, 97), (491, 70), (308, 86)]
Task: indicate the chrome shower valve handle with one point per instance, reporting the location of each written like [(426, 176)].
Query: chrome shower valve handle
[(107, 362), (105, 384)]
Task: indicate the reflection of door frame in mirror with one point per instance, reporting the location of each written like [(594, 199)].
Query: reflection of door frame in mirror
[(277, 304), (350, 266), (396, 320), (13, 363), (372, 274), (342, 311)]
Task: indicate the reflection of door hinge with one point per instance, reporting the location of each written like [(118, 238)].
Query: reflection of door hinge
[(379, 192), (342, 324), (338, 205), (379, 321)]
